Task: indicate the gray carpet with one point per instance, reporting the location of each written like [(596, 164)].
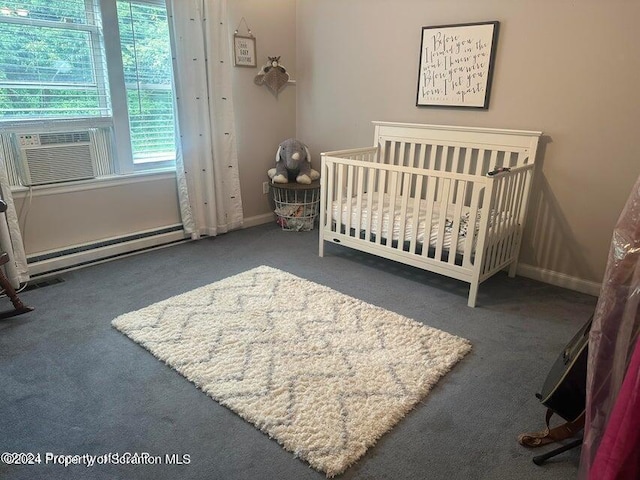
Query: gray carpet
[(73, 385)]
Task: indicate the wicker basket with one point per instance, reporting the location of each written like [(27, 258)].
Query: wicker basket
[(296, 205)]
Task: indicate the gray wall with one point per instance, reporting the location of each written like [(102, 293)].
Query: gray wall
[(263, 119), (568, 68)]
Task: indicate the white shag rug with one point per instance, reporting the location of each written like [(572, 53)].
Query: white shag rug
[(322, 373)]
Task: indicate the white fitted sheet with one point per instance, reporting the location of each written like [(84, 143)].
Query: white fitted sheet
[(410, 218)]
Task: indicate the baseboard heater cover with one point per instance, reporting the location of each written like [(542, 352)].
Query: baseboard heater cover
[(85, 254)]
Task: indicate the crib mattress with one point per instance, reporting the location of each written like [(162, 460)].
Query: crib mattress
[(423, 230)]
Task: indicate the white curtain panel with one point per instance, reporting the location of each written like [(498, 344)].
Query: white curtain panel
[(16, 269), (207, 159)]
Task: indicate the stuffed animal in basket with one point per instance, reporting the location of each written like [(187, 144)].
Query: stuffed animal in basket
[(293, 162)]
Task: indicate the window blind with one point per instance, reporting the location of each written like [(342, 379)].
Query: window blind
[(52, 63), (146, 58)]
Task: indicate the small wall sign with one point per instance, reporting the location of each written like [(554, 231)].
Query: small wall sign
[(244, 51)]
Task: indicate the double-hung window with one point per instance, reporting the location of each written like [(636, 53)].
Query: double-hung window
[(100, 67)]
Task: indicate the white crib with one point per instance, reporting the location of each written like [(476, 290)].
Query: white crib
[(451, 200)]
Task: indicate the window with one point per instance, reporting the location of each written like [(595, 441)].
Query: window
[(146, 59), (54, 59)]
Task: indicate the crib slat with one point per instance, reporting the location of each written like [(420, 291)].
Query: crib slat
[(508, 220), (382, 177), (322, 222), (442, 218), (359, 192), (349, 200), (499, 222), (339, 190), (432, 186), (417, 214), (467, 165), (412, 155), (444, 153), (523, 158), (479, 162), (403, 211), (389, 147), (330, 175), (458, 192), (423, 154), (495, 226), (399, 183), (467, 160), (432, 157), (455, 160), (490, 235), (383, 151), (401, 152), (393, 197), (473, 214), (370, 199), (493, 161)]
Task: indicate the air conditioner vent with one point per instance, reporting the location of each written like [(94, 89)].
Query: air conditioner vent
[(56, 157), (65, 137)]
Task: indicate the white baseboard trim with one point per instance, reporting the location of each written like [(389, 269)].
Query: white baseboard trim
[(81, 255), (559, 279), (51, 262), (258, 220)]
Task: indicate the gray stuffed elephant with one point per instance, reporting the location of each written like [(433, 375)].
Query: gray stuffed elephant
[(293, 162)]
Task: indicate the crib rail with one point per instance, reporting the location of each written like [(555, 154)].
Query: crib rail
[(367, 154), (450, 156), (405, 211)]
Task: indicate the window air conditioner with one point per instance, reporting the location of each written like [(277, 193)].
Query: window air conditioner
[(55, 157)]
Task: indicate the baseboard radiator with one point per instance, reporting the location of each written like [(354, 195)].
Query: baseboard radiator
[(58, 261)]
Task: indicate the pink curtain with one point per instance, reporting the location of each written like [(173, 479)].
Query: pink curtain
[(611, 447)]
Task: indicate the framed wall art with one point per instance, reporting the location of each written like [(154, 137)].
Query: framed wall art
[(244, 51), (456, 65)]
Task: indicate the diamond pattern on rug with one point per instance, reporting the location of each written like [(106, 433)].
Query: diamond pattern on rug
[(322, 373)]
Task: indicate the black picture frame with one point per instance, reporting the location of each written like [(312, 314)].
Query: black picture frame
[(456, 65)]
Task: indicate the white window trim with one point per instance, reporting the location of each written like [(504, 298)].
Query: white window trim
[(94, 183), (121, 128)]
